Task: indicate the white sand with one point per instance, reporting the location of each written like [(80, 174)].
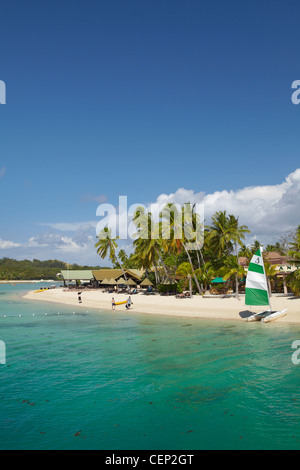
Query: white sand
[(203, 307)]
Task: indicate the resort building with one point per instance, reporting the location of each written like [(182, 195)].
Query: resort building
[(103, 277), (77, 276), (283, 268), (116, 275)]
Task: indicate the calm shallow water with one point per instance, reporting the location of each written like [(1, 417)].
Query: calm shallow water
[(103, 380)]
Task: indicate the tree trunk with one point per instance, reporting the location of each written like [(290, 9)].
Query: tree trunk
[(236, 286), (285, 290), (192, 267), (168, 275), (199, 264), (201, 254), (157, 279), (269, 286), (190, 285), (124, 274), (237, 255)]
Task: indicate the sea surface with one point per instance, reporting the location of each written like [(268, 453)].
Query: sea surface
[(78, 379)]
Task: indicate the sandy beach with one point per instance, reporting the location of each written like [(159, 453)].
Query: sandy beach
[(211, 307)]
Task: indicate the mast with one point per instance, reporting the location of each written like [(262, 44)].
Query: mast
[(261, 250)]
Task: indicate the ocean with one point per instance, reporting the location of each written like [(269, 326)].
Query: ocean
[(78, 379)]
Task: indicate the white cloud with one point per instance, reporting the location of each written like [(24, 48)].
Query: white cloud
[(269, 211), (4, 244), (62, 243), (68, 226)]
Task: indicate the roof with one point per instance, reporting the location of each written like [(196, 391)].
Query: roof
[(243, 260), (275, 258), (101, 274), (138, 272), (77, 275), (271, 256), (146, 282)]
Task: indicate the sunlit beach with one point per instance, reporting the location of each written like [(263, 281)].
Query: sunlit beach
[(211, 307)]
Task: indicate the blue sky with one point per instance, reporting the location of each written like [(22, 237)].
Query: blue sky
[(140, 98)]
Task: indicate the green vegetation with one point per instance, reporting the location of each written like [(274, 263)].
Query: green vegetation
[(294, 254), (169, 262), (106, 245), (11, 269)]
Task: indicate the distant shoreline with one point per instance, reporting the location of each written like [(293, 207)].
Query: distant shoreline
[(198, 307), (27, 282)]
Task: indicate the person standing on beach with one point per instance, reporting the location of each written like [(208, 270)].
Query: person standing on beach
[(129, 302), (113, 305), (79, 297)]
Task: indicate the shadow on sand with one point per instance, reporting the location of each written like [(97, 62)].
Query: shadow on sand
[(245, 314)]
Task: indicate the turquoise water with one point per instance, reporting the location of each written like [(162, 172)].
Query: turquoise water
[(101, 380)]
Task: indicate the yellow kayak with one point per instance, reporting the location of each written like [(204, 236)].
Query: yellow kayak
[(120, 303)]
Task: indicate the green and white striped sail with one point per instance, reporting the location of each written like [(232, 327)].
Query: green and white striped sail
[(256, 292)]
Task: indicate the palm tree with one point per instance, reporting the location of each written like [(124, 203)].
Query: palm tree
[(206, 275), (147, 244), (246, 252), (271, 271), (255, 246), (107, 245), (294, 251), (176, 233), (294, 254), (232, 268), (123, 256), (219, 234), (226, 233), (293, 280), (277, 247), (236, 232), (196, 222), (184, 271)]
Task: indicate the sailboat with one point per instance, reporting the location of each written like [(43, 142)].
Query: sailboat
[(256, 292)]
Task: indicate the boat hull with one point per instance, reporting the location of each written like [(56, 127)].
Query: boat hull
[(274, 316), (258, 316), (267, 316)]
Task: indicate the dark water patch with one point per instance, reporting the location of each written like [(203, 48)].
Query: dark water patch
[(200, 394)]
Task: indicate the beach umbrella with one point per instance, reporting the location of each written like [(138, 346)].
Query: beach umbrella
[(120, 281), (111, 281), (146, 282), (217, 280), (105, 281)]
